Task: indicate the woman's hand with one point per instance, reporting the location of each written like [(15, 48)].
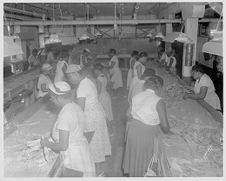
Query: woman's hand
[(44, 142), (186, 96)]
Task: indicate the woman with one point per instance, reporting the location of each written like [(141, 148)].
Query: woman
[(147, 116), (33, 59), (104, 96), (140, 84), (133, 59), (84, 57), (204, 88), (44, 81), (87, 98), (116, 74), (68, 135), (61, 68), (168, 60), (138, 70)]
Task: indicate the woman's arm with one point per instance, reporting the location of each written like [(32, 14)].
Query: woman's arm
[(200, 95), (161, 109), (62, 145), (81, 102), (139, 71), (99, 85)]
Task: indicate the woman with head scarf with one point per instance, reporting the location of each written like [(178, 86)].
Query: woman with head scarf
[(147, 119), (67, 134)]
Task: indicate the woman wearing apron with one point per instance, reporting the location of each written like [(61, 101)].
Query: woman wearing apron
[(68, 135)]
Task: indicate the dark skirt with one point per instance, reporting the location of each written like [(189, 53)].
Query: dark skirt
[(139, 147)]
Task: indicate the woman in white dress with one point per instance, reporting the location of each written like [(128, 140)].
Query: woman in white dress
[(133, 59), (116, 74), (67, 134), (44, 81), (87, 98), (138, 70), (204, 88), (104, 96), (61, 68)]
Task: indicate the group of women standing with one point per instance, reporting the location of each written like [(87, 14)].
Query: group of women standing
[(81, 132)]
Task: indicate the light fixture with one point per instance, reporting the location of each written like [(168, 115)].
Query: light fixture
[(84, 37), (98, 34), (159, 35), (149, 35), (183, 38)]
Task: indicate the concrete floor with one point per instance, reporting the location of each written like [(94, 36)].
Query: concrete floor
[(113, 163)]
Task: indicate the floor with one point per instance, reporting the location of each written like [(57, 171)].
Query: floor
[(113, 164)]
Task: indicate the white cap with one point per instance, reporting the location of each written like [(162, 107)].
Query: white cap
[(46, 67), (73, 68), (60, 88)]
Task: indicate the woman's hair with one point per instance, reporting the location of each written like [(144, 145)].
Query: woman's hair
[(143, 54), (134, 53), (112, 50), (151, 83), (148, 73), (159, 80), (198, 68), (86, 71), (34, 51), (98, 66)]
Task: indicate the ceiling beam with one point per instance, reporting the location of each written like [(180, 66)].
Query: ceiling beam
[(22, 11), (95, 22)]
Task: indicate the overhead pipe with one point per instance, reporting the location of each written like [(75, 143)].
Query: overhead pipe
[(94, 22)]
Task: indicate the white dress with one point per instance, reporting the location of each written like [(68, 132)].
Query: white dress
[(135, 79), (95, 120), (130, 74), (144, 107), (78, 155), (211, 97), (59, 76), (105, 98), (43, 79), (116, 74)]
